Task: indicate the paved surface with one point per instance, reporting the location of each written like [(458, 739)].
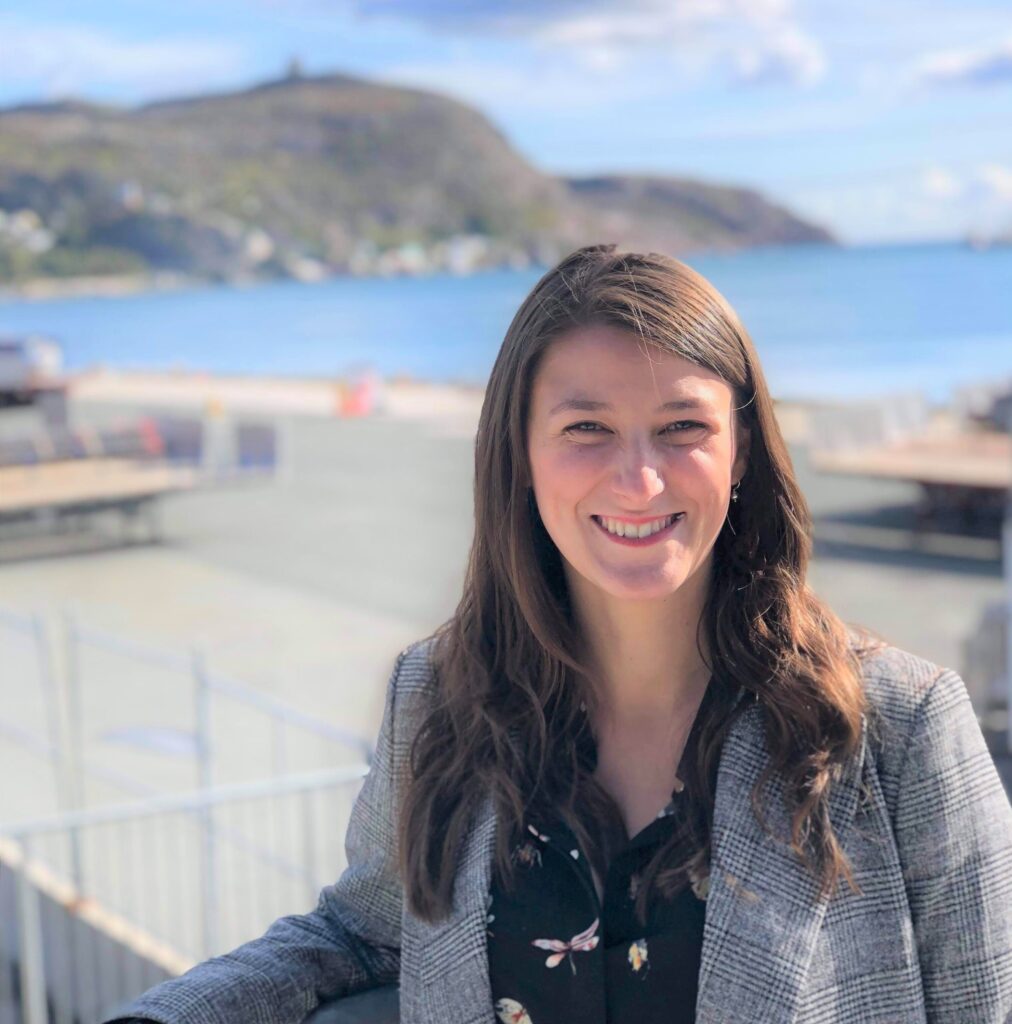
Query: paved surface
[(308, 586)]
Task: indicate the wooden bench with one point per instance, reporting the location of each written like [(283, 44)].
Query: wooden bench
[(67, 489), (966, 474)]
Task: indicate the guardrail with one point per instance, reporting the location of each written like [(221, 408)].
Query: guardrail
[(205, 688), (99, 902), (165, 882), (114, 718)]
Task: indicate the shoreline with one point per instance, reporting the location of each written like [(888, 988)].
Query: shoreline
[(114, 286), (105, 286), (42, 289)]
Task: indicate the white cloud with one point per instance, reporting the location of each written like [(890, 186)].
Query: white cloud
[(504, 88), (785, 56), (758, 39), (937, 202), (989, 65), (987, 184), (531, 17), (873, 212), (66, 60), (938, 183), (996, 181)]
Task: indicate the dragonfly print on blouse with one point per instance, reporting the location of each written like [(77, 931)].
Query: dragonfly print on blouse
[(584, 942)]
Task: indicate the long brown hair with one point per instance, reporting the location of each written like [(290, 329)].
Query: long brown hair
[(509, 665)]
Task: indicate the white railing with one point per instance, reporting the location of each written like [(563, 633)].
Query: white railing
[(200, 695), (161, 884), (99, 900), (113, 718)]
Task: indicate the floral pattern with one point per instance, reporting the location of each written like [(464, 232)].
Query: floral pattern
[(623, 969), (620, 973)]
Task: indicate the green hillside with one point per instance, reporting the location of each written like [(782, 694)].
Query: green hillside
[(307, 176)]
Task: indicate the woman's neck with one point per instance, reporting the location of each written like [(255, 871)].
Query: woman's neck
[(647, 668)]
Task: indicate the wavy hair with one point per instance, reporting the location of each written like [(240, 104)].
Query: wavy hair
[(510, 665)]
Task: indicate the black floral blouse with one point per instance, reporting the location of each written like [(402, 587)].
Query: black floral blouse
[(556, 954)]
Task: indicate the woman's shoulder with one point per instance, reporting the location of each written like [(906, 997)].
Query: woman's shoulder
[(412, 686), (415, 666), (896, 680), (908, 695)]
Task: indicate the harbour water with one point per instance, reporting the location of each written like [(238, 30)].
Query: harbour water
[(828, 322)]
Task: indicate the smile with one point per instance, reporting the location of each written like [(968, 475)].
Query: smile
[(638, 534)]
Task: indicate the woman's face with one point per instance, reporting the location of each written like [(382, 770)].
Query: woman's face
[(619, 435)]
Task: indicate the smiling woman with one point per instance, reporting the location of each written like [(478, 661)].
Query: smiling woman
[(644, 773)]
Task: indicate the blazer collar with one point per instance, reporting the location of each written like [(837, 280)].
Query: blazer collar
[(762, 915)]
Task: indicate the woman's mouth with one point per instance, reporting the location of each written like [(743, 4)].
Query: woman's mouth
[(638, 535)]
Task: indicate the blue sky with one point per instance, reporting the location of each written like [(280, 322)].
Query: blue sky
[(886, 121)]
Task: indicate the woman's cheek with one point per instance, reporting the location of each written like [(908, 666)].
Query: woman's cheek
[(702, 462), (579, 460)]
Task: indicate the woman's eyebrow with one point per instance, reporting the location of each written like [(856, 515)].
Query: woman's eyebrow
[(581, 404)]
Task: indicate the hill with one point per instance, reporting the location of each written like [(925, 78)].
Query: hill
[(678, 214), (312, 175)]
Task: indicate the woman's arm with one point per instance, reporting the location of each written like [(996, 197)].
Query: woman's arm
[(953, 828), (350, 942)]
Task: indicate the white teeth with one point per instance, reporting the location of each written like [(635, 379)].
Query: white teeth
[(621, 529)]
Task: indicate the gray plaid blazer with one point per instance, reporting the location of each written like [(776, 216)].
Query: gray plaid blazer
[(920, 812)]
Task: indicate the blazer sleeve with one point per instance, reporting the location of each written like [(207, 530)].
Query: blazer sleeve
[(350, 942), (953, 828)]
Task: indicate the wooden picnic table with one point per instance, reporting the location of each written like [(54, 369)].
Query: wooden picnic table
[(82, 486), (979, 459), (965, 471)]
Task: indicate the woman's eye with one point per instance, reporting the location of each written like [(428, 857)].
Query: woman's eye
[(681, 426)]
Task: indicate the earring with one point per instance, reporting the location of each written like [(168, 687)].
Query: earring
[(734, 491)]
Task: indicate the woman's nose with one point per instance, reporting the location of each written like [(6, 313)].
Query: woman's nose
[(637, 478)]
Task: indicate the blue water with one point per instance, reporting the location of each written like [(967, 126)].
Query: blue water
[(827, 322)]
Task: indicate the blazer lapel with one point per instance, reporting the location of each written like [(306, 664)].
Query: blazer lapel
[(444, 966), (762, 912)]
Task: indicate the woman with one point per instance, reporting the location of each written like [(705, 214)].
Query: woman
[(644, 773)]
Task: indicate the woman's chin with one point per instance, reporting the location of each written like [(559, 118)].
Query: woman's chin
[(642, 586)]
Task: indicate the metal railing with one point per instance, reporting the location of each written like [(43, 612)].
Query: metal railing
[(115, 718), (99, 902), (195, 709), (163, 884), (31, 708)]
